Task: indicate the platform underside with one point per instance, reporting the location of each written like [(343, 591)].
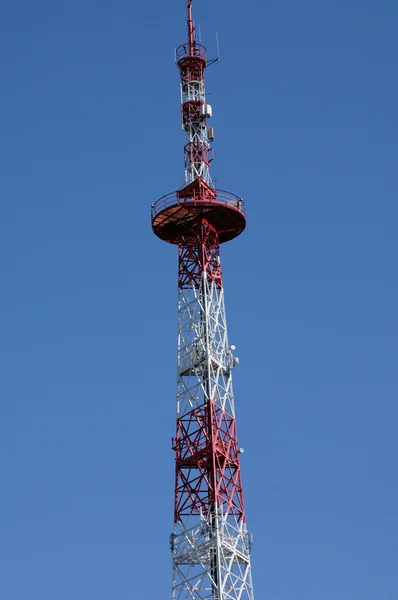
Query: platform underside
[(174, 223)]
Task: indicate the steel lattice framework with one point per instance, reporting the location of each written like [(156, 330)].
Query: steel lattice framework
[(210, 543)]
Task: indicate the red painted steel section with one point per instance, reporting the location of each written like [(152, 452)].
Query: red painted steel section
[(197, 253), (191, 27), (207, 463)]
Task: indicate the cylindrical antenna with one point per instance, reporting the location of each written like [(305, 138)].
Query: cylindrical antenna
[(191, 28)]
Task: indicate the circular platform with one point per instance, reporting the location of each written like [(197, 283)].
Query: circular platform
[(173, 216), (185, 51)]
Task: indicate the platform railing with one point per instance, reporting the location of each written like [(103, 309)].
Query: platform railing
[(222, 198), (185, 51)]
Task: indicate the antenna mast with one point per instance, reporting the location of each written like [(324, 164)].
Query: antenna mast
[(191, 28)]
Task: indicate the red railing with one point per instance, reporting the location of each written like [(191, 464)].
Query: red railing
[(222, 198), (184, 51)]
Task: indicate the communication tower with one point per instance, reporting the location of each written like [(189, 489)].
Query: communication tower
[(210, 543)]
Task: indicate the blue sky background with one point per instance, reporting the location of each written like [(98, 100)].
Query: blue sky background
[(305, 115)]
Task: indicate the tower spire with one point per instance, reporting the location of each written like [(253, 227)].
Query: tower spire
[(191, 28), (210, 543), (195, 112)]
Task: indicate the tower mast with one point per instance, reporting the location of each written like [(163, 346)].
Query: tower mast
[(191, 27), (210, 543)]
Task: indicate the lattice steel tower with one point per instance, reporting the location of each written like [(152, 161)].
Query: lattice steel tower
[(210, 544)]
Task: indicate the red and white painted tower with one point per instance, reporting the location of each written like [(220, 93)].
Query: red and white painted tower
[(210, 543)]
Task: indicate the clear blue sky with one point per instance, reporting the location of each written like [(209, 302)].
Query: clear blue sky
[(305, 115)]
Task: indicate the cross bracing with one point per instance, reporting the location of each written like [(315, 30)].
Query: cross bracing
[(210, 543)]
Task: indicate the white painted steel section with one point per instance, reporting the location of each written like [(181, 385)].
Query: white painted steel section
[(204, 371), (196, 132)]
